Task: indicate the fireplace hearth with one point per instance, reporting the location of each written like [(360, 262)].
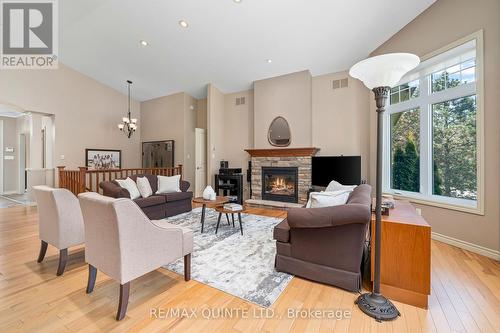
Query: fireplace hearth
[(280, 184)]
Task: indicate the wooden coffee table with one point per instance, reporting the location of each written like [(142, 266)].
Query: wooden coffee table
[(219, 201), (221, 211)]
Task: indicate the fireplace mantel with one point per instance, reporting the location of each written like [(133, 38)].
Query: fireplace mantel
[(282, 152)]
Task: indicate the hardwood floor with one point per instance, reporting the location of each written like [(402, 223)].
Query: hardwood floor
[(465, 295)]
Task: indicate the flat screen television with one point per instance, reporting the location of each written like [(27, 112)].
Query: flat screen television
[(344, 169)]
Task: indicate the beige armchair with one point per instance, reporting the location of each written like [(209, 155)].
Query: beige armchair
[(124, 244), (60, 222)]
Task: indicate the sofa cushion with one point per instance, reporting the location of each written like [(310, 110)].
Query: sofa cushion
[(282, 232), (150, 201), (168, 184), (327, 199), (130, 186), (176, 196), (144, 187), (153, 180)]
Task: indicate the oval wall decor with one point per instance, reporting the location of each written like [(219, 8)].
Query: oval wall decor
[(279, 132)]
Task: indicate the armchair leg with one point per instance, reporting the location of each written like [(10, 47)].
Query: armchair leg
[(187, 267), (43, 250), (91, 280), (122, 305), (63, 258)]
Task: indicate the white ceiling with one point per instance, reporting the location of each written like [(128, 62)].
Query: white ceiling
[(226, 44)]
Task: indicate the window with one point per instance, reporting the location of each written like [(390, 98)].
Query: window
[(405, 92), (432, 132), (405, 150), (453, 76), (454, 148)]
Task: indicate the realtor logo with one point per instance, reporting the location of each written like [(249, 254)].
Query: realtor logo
[(29, 34)]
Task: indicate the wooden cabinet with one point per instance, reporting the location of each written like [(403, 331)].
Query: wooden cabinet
[(406, 255)]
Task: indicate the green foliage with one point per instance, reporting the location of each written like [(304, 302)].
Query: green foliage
[(438, 180), (406, 167), (454, 145)]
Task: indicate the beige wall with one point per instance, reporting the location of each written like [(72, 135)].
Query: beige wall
[(215, 131), (288, 96), (201, 113), (171, 118), (340, 118), (86, 111), (441, 24), (238, 132), (10, 167), (190, 120)]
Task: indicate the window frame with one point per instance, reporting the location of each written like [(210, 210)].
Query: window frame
[(424, 102)]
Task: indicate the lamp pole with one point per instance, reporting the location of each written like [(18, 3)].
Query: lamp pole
[(374, 304), (379, 73)]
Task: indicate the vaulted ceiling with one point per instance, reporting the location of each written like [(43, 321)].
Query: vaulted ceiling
[(226, 43)]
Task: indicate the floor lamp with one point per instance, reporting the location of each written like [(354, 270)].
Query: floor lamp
[(379, 74)]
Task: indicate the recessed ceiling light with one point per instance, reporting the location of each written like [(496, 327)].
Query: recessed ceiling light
[(269, 61), (237, 1), (183, 24), (144, 43)]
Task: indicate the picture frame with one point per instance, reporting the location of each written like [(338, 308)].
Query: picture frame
[(103, 159)]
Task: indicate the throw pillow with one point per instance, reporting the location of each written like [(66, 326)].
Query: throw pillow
[(169, 184), (130, 186), (327, 199), (336, 186), (144, 187)]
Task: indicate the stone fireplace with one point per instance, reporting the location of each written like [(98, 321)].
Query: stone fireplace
[(280, 184), (280, 175)]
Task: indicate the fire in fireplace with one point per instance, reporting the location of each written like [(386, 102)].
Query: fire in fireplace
[(280, 184)]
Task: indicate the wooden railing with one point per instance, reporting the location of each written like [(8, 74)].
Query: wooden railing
[(85, 180)]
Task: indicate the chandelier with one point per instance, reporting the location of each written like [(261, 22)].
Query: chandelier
[(128, 124)]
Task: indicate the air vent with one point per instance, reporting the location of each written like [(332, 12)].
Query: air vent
[(342, 83), (240, 100)]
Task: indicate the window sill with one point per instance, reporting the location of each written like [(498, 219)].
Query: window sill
[(437, 203)]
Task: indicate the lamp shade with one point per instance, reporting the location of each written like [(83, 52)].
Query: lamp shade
[(384, 70)]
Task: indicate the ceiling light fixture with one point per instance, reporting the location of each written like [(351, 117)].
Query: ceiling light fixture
[(144, 43), (269, 61), (183, 24), (237, 1), (128, 124)]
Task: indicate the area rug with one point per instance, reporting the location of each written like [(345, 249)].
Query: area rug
[(241, 265)]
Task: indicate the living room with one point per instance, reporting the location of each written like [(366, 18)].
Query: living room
[(244, 160)]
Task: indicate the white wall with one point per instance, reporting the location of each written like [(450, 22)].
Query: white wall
[(215, 131), (340, 118), (86, 112), (288, 96), (10, 167), (172, 118)]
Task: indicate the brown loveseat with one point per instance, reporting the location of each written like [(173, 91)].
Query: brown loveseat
[(326, 244), (157, 206)]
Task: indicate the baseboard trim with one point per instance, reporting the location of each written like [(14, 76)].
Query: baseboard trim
[(10, 192), (467, 246)]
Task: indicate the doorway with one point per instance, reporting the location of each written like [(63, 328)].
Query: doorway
[(200, 178)]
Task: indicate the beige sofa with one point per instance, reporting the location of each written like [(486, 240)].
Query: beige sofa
[(60, 222), (123, 243)]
